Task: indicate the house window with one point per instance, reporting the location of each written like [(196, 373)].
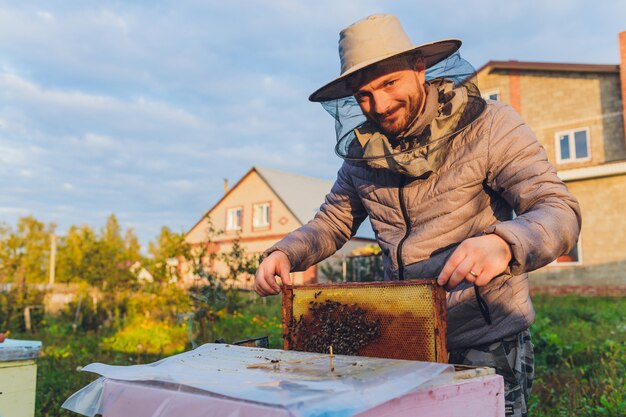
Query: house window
[(261, 215), (572, 145), (571, 258), (233, 218), (492, 95)]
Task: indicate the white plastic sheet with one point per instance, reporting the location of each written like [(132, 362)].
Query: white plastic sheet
[(300, 382)]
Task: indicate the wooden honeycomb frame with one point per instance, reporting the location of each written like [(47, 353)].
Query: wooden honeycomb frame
[(411, 316)]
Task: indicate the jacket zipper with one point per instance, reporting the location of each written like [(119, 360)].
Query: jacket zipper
[(405, 215)]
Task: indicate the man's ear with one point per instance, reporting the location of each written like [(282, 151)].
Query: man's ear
[(421, 77), (419, 63), (420, 69)]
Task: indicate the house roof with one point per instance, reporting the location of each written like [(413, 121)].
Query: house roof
[(302, 195), (548, 66)]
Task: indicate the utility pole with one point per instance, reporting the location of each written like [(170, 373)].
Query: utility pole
[(53, 255)]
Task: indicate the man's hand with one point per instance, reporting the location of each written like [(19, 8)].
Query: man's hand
[(477, 260), (277, 263)]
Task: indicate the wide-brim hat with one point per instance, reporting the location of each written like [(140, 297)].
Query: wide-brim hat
[(372, 40)]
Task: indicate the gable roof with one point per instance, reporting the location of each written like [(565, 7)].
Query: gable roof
[(547, 66), (302, 195)]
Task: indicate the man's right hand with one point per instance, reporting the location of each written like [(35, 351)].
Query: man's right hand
[(277, 263)]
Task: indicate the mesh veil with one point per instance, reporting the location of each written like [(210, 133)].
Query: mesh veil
[(348, 115)]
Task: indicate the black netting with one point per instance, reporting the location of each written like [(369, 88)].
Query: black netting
[(348, 114)]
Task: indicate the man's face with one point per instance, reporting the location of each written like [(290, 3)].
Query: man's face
[(391, 96)]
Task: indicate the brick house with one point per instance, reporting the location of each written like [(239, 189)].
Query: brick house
[(265, 205), (577, 112)]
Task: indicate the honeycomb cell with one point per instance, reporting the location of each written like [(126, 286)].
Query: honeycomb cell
[(396, 319)]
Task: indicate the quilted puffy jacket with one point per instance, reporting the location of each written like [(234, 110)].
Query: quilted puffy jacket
[(493, 167)]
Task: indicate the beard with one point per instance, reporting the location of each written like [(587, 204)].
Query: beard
[(398, 119)]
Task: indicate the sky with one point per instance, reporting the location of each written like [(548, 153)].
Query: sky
[(142, 108)]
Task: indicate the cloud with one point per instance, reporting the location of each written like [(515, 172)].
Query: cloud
[(180, 185), (47, 16), (99, 141), (65, 151), (52, 103), (141, 108)]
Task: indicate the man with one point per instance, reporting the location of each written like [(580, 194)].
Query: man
[(439, 171)]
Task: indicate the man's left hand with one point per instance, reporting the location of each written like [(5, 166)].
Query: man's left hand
[(477, 260)]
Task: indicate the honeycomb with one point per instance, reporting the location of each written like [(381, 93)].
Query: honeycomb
[(396, 319)]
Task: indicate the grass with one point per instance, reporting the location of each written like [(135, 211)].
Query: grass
[(580, 357), (64, 353), (580, 348)]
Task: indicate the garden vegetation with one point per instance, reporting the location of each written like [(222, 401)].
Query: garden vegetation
[(118, 318)]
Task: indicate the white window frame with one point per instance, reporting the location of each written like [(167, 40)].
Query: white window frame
[(231, 216), (572, 145), (255, 218), (575, 263), (492, 92)]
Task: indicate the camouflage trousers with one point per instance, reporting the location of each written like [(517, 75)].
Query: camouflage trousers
[(513, 358)]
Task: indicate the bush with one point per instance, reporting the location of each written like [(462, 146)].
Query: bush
[(85, 313), (148, 336), (240, 325), (12, 305), (152, 322)]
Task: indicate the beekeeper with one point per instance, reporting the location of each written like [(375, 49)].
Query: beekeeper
[(456, 187)]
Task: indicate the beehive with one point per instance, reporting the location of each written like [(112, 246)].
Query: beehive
[(18, 377), (393, 319)]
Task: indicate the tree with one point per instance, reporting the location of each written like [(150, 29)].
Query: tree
[(24, 260), (111, 235), (102, 261), (25, 253), (72, 252), (169, 246), (110, 258), (132, 246)]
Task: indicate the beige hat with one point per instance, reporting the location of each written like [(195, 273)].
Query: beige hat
[(372, 40)]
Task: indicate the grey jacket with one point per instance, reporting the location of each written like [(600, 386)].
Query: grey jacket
[(493, 167)]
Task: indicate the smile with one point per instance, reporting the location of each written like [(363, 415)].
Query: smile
[(390, 115)]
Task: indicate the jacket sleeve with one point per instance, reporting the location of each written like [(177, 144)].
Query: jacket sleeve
[(334, 224), (548, 217)]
